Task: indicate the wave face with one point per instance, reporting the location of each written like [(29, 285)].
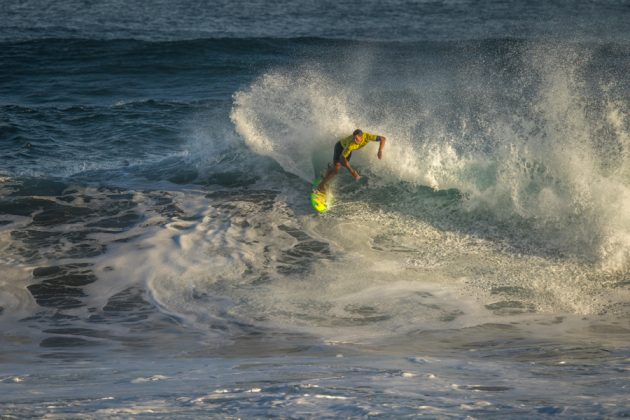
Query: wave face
[(159, 254), (534, 134)]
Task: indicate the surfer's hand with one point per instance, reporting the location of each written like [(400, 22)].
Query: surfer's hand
[(380, 154), (357, 176)]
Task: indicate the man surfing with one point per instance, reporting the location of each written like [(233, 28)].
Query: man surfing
[(343, 153)]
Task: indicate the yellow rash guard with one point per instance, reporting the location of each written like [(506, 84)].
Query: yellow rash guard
[(349, 145)]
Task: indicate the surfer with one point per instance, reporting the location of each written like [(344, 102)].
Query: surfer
[(343, 152)]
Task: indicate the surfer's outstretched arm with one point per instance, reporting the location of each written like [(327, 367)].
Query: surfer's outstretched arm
[(382, 140)]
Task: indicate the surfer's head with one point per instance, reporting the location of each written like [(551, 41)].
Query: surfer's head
[(358, 136)]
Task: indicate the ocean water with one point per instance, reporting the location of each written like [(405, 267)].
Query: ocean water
[(160, 257)]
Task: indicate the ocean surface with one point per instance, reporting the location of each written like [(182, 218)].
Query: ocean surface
[(159, 256)]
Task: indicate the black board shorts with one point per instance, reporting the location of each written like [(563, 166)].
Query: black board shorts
[(338, 150)]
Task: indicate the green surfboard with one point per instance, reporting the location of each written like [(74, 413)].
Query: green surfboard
[(321, 202)]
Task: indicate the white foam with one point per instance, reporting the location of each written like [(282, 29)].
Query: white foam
[(394, 275), (15, 300), (547, 163), (292, 116), (153, 378)]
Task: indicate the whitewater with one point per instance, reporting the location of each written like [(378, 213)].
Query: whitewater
[(160, 257)]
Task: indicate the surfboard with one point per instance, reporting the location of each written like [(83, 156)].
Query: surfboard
[(320, 201)]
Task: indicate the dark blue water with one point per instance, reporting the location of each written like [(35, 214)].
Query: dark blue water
[(160, 256)]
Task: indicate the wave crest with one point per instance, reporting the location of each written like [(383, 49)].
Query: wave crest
[(535, 132)]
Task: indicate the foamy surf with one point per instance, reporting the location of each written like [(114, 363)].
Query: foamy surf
[(539, 148), (159, 255)]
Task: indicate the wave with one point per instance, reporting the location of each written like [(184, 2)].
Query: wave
[(534, 133)]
